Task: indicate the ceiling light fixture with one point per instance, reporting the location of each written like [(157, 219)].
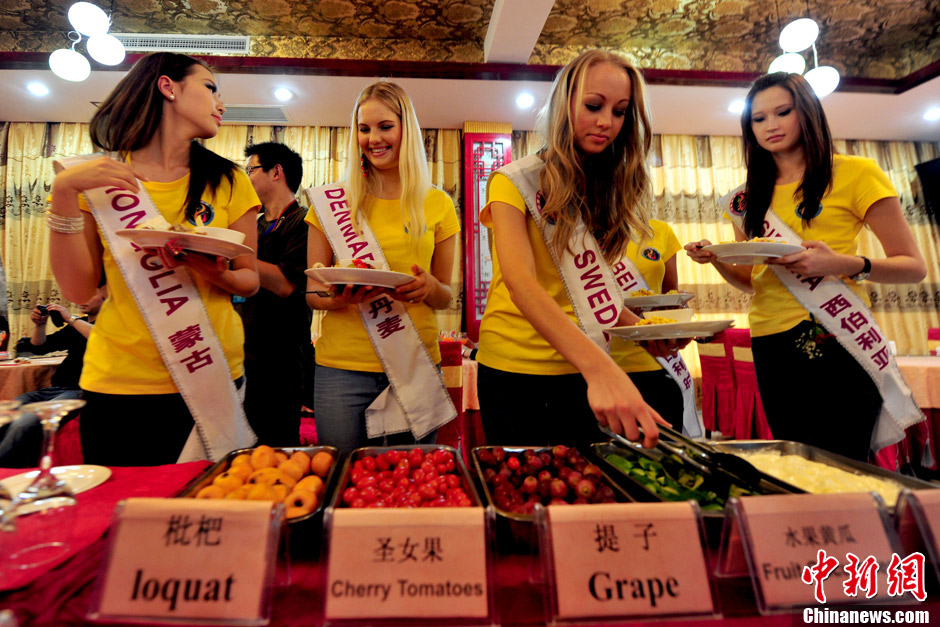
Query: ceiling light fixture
[(737, 106), (525, 100), (932, 114), (91, 21), (794, 38), (283, 94)]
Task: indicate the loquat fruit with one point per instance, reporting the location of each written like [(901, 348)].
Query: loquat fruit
[(210, 492), (302, 459), (311, 483), (263, 457), (320, 464), (292, 468)]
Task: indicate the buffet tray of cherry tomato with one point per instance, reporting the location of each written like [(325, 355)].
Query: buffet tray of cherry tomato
[(424, 475), (515, 479), (300, 477)]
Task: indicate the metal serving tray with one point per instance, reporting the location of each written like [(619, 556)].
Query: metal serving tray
[(459, 467), (621, 495), (814, 454), (222, 465), (768, 484)]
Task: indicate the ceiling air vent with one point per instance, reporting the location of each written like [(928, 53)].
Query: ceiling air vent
[(204, 44), (255, 114)]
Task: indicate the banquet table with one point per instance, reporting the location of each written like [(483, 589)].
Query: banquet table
[(17, 377), (61, 595)]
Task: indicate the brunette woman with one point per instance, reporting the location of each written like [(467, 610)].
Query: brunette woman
[(824, 371)]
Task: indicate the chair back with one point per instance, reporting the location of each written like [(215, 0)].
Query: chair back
[(933, 341)]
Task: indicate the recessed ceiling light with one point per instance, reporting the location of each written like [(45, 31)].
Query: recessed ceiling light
[(37, 89), (736, 106), (525, 100), (283, 94), (932, 114)]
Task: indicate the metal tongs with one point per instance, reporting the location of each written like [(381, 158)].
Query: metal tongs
[(742, 470), (703, 458), (720, 483)]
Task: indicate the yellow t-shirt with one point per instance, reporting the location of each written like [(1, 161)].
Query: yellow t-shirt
[(344, 342), (121, 357), (508, 341), (650, 258), (857, 183)]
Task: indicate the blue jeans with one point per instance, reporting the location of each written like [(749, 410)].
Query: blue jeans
[(340, 401), (21, 440)]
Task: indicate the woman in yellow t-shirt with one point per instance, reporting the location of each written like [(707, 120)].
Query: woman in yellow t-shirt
[(387, 185), (812, 389), (542, 380), (151, 119)]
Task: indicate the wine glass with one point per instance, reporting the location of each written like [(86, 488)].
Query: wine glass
[(9, 411), (36, 527)]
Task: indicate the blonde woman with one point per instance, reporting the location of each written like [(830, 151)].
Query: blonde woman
[(562, 220), (377, 379)]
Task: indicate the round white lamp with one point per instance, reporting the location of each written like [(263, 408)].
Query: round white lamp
[(105, 49), (88, 19), (823, 79), (70, 65), (789, 62), (799, 35)]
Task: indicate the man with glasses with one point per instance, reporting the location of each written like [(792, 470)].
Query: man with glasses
[(278, 353)]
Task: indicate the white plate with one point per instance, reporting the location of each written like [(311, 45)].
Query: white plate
[(358, 276), (77, 478), (658, 300), (152, 238), (673, 330), (751, 253)]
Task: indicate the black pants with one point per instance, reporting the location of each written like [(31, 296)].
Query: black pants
[(134, 429), (273, 400), (827, 401), (662, 393), (535, 410)]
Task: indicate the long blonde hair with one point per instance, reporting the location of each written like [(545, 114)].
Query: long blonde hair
[(412, 159), (613, 195)]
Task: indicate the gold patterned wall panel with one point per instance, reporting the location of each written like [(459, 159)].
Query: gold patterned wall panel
[(883, 39)]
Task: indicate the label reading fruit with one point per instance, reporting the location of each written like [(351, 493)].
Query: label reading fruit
[(628, 560), (786, 533), (187, 559), (400, 563)]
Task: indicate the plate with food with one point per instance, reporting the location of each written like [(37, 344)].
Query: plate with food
[(661, 328), (753, 252), (647, 298), (357, 272), (207, 240)]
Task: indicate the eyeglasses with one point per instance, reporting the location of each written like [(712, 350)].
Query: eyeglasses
[(249, 168)]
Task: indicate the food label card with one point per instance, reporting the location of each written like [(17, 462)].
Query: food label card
[(628, 560), (401, 563), (808, 549), (185, 559)]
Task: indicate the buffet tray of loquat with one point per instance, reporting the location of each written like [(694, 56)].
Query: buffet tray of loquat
[(299, 477)]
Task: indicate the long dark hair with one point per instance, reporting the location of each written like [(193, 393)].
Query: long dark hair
[(131, 114), (761, 168)]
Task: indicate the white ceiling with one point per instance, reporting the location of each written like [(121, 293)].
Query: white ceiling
[(446, 103)]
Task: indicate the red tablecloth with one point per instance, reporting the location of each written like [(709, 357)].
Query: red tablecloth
[(61, 596)]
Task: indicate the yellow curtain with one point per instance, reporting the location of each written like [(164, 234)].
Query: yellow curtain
[(26, 154)]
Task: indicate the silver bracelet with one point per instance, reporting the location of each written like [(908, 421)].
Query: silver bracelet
[(65, 224)]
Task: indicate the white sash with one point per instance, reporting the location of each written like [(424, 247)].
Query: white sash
[(594, 288), (416, 399), (846, 316), (177, 319)]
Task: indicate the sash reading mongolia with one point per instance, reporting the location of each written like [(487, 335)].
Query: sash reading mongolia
[(416, 399), (176, 317), (847, 317), (594, 288)]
